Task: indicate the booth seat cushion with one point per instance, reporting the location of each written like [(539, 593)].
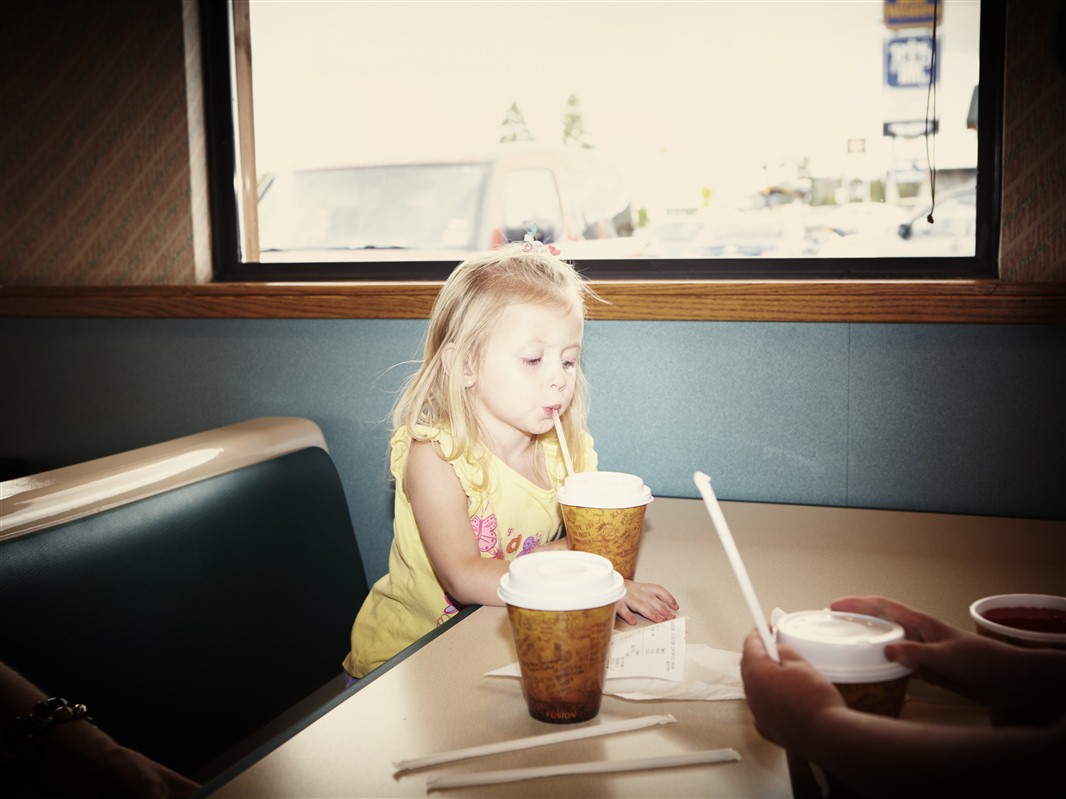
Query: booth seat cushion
[(189, 619)]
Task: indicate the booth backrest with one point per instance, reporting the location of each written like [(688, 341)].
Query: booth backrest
[(188, 619)]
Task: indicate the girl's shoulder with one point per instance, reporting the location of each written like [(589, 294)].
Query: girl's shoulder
[(403, 437)]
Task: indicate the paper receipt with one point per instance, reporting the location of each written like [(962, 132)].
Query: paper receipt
[(654, 651)]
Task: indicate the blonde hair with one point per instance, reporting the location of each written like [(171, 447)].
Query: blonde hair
[(464, 315)]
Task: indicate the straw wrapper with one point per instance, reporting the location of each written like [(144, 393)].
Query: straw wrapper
[(596, 767), (564, 736)]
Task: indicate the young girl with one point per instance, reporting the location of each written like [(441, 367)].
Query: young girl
[(474, 451)]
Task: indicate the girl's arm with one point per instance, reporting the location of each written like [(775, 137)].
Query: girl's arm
[(440, 507)]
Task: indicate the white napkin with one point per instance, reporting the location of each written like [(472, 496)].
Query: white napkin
[(709, 674), (654, 662)]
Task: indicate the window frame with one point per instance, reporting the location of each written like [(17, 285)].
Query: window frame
[(225, 184)]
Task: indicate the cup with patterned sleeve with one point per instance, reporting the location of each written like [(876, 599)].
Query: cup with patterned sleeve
[(604, 514), (561, 606)]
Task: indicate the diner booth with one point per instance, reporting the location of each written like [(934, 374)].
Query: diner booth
[(900, 438)]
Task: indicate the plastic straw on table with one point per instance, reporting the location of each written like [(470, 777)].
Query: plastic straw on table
[(703, 483), (562, 443), (564, 736), (596, 767)]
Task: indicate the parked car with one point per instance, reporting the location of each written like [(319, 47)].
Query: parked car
[(445, 209), (952, 232), (726, 232), (829, 222)]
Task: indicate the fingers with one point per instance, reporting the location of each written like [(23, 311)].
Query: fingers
[(624, 613), (653, 602), (918, 626), (906, 654), (659, 593), (754, 649)]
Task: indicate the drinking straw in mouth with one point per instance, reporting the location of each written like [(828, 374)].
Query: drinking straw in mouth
[(703, 483), (562, 442)]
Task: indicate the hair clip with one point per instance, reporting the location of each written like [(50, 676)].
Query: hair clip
[(532, 245)]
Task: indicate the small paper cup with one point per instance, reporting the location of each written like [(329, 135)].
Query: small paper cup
[(1030, 620)]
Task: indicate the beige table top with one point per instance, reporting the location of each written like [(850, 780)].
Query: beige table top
[(799, 557)]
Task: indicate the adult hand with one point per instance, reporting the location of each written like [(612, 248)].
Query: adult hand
[(651, 601), (80, 760), (785, 698), (1016, 683)]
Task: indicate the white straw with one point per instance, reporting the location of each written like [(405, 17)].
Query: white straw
[(564, 736), (703, 483), (597, 767), (562, 443)]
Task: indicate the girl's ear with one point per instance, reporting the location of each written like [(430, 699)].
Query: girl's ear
[(447, 360), (469, 376), (447, 352)]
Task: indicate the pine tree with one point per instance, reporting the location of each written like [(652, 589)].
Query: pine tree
[(573, 123), (514, 127)]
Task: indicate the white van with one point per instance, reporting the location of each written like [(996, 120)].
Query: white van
[(446, 209)]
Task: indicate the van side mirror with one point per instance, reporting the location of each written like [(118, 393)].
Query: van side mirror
[(545, 231)]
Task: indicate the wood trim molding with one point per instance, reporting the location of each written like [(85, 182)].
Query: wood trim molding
[(958, 301)]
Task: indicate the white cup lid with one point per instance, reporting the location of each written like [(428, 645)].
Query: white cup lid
[(564, 580), (604, 490), (844, 647)]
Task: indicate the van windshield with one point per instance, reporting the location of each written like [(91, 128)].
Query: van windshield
[(406, 206)]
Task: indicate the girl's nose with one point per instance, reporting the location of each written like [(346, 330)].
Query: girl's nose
[(558, 377)]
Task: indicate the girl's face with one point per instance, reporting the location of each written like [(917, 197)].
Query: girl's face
[(527, 370)]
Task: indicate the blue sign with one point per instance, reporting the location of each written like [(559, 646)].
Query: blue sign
[(909, 61)]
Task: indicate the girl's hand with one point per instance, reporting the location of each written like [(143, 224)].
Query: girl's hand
[(651, 601)]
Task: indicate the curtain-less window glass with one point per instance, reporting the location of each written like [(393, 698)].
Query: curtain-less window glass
[(654, 133)]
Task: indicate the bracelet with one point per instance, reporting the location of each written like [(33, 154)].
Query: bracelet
[(24, 736)]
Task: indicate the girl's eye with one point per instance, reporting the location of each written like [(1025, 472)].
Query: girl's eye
[(569, 364), (531, 361)]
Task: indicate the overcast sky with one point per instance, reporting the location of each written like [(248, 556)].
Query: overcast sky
[(748, 82)]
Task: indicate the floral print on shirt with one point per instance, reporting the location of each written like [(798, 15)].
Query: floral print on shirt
[(489, 543)]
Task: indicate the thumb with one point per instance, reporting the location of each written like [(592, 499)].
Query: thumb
[(907, 653)]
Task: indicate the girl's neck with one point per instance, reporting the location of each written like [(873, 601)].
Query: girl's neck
[(523, 455)]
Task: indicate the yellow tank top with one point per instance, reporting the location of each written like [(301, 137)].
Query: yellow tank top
[(509, 517)]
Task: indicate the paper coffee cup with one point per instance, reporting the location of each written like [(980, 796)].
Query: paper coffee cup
[(561, 606), (848, 649), (604, 514)]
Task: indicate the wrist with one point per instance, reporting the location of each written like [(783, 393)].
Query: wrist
[(25, 735), (824, 730)]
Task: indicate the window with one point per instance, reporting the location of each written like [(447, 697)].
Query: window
[(376, 140)]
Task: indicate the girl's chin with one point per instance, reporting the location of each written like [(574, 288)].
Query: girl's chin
[(544, 426)]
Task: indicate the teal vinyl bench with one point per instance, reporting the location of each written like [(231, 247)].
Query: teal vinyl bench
[(189, 611)]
